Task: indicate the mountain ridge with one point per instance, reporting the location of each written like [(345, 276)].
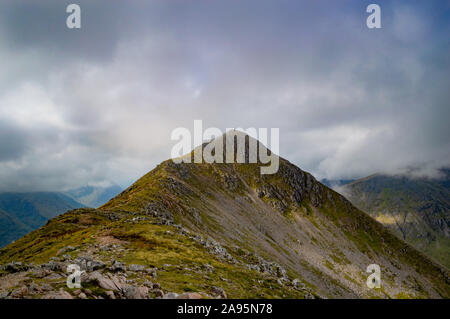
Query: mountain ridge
[(266, 236)]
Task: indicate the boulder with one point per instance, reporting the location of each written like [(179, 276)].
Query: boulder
[(219, 292), (77, 292), (110, 294), (117, 266), (54, 266), (87, 263), (46, 287), (104, 282), (171, 295), (53, 276), (34, 288), (298, 284), (156, 285), (134, 267), (143, 291), (40, 272), (151, 272), (131, 292), (158, 293), (82, 296)]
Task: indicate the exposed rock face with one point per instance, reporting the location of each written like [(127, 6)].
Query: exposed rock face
[(14, 267), (158, 209)]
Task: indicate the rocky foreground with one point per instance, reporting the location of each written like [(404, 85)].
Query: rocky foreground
[(113, 280), (104, 277)]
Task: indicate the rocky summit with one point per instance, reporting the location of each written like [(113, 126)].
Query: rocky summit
[(205, 230)]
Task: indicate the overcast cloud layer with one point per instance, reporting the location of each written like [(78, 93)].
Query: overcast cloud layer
[(97, 105)]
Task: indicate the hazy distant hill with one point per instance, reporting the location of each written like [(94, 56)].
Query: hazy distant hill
[(21, 213), (11, 228), (416, 209), (93, 196), (335, 182)]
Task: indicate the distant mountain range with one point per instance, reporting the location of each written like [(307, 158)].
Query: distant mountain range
[(21, 213), (417, 210), (220, 230), (94, 196)]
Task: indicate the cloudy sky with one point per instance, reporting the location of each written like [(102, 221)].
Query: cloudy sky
[(98, 104)]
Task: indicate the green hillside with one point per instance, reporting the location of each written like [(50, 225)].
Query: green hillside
[(417, 210), (21, 213)]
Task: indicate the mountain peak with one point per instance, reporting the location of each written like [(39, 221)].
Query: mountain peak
[(234, 147)]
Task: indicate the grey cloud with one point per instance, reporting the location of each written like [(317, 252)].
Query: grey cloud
[(13, 142)]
